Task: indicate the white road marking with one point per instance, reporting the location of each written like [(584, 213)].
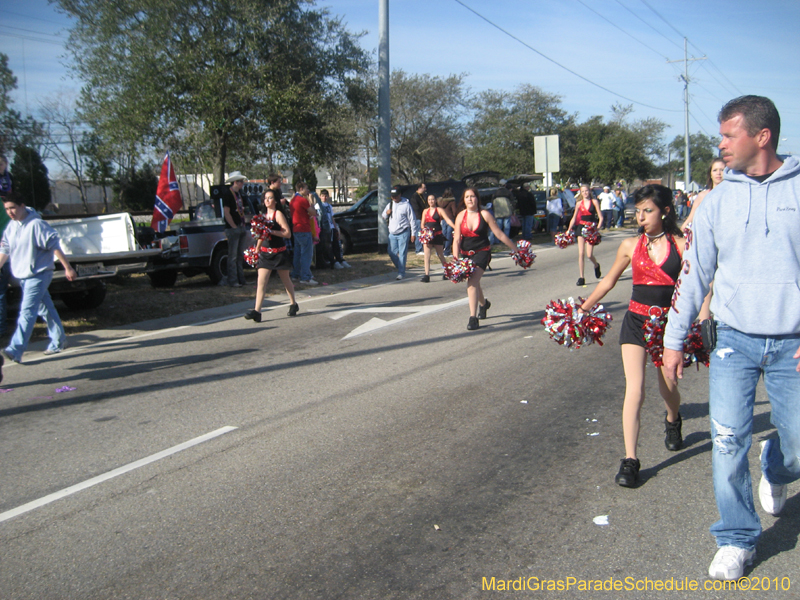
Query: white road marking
[(14, 512), (375, 323)]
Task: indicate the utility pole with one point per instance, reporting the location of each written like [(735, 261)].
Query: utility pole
[(687, 175), (384, 116)]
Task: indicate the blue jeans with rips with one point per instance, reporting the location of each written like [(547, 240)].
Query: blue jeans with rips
[(303, 251), (397, 249), (737, 363), (36, 301)]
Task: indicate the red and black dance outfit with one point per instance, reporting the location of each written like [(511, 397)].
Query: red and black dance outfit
[(584, 217), (274, 255), (475, 244), (434, 223), (653, 286)]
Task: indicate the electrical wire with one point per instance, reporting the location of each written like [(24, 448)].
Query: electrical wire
[(578, 75), (630, 35), (658, 31)]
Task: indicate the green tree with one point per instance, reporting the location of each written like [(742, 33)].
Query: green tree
[(702, 150), (238, 73), (504, 125), (30, 177), (136, 189), (426, 125), (98, 162)]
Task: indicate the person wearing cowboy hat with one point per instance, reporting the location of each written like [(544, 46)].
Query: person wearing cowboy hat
[(235, 229), (607, 201)]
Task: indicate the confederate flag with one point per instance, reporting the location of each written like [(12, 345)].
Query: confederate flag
[(168, 197)]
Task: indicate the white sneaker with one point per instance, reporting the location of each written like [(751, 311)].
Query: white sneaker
[(346, 264), (399, 277), (771, 496), (729, 563), (337, 265), (420, 254), (309, 282)]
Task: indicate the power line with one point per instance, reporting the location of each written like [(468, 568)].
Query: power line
[(28, 30), (597, 85), (11, 12), (658, 31), (662, 18), (630, 35), (32, 39)]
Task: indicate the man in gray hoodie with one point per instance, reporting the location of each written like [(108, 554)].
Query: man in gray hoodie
[(30, 245), (745, 239)]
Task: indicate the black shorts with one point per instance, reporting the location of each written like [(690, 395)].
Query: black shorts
[(278, 261), (631, 331), (481, 258)]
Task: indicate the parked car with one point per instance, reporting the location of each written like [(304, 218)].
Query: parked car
[(358, 225)]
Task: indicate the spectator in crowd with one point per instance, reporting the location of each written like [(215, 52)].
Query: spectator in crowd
[(30, 245), (744, 238), (607, 199), (555, 212), (301, 231), (418, 203), (526, 204), (502, 209), (715, 177), (448, 203), (400, 217), (329, 244), (619, 206), (235, 229)]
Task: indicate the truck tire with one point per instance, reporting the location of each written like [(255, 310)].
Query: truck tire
[(165, 278), (85, 299), (347, 243), (218, 270)]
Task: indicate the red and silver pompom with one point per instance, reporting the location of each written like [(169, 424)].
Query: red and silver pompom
[(590, 234), (251, 256), (259, 227), (425, 235), (569, 327), (693, 350), (524, 256), (565, 239), (459, 269), (654, 336)]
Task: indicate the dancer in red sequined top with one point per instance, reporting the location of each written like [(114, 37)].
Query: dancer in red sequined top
[(471, 239), (655, 259), (586, 211)]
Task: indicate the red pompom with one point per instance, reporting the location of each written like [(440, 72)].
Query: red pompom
[(590, 234), (569, 327), (251, 256), (259, 227), (565, 239), (524, 256), (459, 270), (693, 349), (654, 335), (425, 235)]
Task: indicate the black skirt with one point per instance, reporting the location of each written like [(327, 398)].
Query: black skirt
[(631, 331), (278, 261)]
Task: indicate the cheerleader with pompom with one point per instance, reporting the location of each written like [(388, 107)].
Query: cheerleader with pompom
[(471, 240), (273, 256), (432, 221), (655, 259), (586, 211)]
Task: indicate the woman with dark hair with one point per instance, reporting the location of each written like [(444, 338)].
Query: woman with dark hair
[(715, 176), (471, 239), (587, 210), (655, 259), (434, 218), (273, 255)]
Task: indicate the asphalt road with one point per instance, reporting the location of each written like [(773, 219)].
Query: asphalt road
[(370, 447)]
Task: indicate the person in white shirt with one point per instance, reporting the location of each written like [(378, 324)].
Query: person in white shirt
[(607, 200), (400, 217)]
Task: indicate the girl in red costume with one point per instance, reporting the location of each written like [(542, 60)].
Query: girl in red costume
[(471, 239), (655, 259), (432, 219), (273, 256), (587, 210)]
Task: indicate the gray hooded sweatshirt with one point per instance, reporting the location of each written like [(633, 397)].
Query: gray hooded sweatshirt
[(746, 239)]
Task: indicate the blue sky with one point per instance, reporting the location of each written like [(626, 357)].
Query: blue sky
[(752, 49)]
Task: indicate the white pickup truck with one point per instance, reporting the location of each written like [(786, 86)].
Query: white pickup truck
[(98, 248)]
